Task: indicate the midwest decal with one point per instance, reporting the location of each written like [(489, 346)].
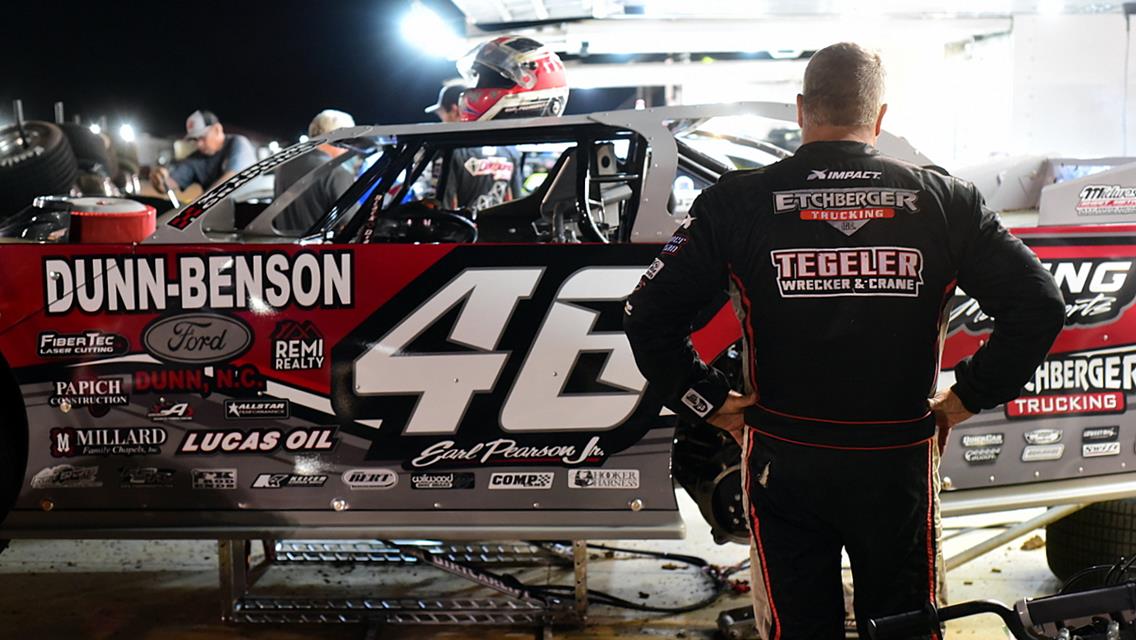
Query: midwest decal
[(130, 284)]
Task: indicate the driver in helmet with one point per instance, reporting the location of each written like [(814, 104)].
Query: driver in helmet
[(510, 77)]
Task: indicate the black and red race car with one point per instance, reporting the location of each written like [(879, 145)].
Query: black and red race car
[(396, 368)]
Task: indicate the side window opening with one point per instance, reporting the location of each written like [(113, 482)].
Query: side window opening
[(582, 189)]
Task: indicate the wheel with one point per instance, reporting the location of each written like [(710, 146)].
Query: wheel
[(90, 150), (1100, 533), (40, 163)]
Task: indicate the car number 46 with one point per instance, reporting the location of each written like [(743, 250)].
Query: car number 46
[(446, 382)]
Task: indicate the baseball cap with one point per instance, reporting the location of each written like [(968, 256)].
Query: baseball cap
[(198, 122), (447, 97)]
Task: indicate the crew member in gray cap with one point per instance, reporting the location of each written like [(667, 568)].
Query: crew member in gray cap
[(218, 157)]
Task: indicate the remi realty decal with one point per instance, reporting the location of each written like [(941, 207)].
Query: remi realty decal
[(297, 346)]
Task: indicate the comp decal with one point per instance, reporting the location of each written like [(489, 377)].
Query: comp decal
[(145, 284)]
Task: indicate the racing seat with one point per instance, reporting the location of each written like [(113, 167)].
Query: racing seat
[(518, 220)]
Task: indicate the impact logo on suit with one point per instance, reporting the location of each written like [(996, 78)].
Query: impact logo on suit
[(867, 271)]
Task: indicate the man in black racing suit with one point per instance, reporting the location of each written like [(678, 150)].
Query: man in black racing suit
[(840, 263)]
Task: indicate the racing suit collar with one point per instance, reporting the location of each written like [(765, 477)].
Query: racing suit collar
[(841, 147)]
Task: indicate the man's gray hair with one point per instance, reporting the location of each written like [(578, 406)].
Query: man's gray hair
[(329, 120), (844, 86)]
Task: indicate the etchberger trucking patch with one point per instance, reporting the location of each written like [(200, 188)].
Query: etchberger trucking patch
[(846, 209)]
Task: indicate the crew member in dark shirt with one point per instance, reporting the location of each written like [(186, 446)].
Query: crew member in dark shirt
[(310, 205), (219, 156)]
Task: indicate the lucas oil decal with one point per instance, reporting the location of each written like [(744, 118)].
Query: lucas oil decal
[(226, 441), (868, 271), (129, 284)]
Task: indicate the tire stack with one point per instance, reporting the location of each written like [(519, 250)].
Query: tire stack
[(90, 149), (46, 166), (1099, 534)]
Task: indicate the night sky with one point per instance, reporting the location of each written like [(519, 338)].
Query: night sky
[(262, 66)]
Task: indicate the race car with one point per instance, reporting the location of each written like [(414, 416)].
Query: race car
[(397, 369)]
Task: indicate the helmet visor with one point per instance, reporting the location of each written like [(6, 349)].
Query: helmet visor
[(499, 58)]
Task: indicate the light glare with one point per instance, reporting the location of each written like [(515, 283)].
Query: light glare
[(126, 132)]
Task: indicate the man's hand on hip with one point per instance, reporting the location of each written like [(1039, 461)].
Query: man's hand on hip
[(949, 411), (730, 416)]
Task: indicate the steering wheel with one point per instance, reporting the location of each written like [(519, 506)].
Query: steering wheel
[(422, 221)]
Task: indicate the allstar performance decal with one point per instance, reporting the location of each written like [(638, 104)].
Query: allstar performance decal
[(145, 284), (829, 273), (847, 209)]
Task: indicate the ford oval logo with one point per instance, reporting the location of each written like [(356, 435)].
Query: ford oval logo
[(197, 338)]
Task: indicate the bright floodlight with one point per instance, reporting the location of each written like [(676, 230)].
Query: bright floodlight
[(303, 138), (126, 132), (95, 128), (430, 33), (274, 146)]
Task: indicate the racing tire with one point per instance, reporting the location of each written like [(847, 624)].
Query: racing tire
[(1099, 534), (89, 148), (13, 440), (46, 167)]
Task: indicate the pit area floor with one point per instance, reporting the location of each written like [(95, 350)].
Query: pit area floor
[(168, 589)]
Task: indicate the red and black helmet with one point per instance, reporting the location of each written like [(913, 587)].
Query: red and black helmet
[(512, 77)]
